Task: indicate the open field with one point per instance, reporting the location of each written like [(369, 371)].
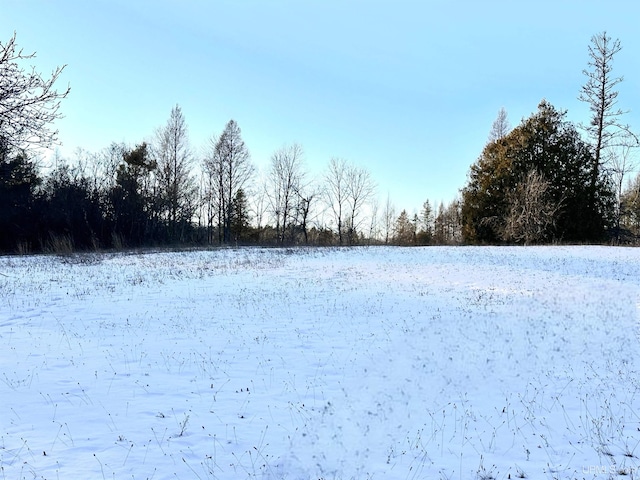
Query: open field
[(386, 363)]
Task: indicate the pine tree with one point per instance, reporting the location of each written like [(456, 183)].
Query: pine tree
[(240, 223), (600, 93), (424, 235), (404, 230)]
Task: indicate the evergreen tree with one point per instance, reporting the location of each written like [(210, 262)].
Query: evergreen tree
[(551, 146), (600, 93), (240, 224), (424, 234), (71, 212), (19, 180), (133, 204), (404, 230)]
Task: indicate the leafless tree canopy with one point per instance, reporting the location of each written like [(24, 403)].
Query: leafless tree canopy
[(620, 161), (335, 193), (228, 169), (360, 189), (600, 93), (347, 189), (500, 127), (28, 102), (388, 214), (286, 178), (630, 207), (532, 212), (447, 223), (173, 157)]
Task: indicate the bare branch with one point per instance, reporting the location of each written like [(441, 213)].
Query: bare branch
[(532, 212), (29, 104), (285, 177), (500, 127)]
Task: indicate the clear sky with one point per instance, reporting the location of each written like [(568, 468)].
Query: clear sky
[(406, 88)]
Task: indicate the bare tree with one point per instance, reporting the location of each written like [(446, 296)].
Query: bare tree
[(440, 226), (306, 195), (600, 93), (388, 217), (630, 211), (28, 102), (447, 225), (177, 189), (229, 169), (500, 127), (621, 161), (286, 177), (335, 193), (213, 188), (532, 212), (360, 189), (347, 189), (107, 163), (454, 219), (260, 206), (373, 225)]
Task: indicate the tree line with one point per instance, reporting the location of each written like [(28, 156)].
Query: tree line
[(545, 180), (161, 193)]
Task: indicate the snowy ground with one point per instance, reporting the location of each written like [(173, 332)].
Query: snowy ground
[(386, 363)]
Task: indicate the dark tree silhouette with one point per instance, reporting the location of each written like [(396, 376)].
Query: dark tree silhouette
[(551, 146), (18, 183), (28, 102)]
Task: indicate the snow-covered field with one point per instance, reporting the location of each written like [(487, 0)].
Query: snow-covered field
[(386, 363)]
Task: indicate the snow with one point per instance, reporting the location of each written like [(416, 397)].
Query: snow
[(415, 363)]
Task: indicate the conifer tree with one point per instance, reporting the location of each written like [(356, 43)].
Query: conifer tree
[(600, 93), (551, 146)]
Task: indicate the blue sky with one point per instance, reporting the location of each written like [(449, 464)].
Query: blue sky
[(407, 89)]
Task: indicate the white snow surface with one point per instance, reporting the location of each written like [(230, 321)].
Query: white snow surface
[(380, 362)]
